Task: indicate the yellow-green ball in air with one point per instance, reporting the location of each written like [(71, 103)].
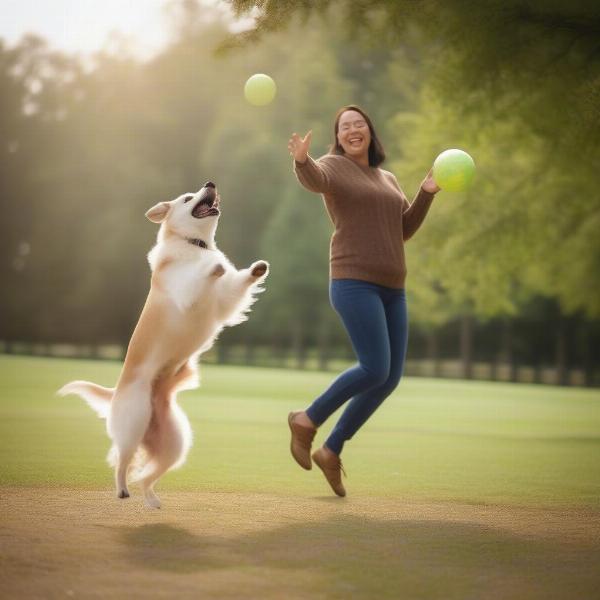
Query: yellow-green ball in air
[(260, 90)]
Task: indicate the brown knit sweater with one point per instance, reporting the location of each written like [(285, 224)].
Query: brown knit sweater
[(371, 216)]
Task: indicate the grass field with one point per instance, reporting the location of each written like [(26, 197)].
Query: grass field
[(455, 490)]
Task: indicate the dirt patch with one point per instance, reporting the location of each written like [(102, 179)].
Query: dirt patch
[(71, 543)]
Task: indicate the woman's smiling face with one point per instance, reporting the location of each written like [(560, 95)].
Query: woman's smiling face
[(353, 134)]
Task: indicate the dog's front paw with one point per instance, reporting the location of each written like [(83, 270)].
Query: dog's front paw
[(123, 494), (259, 268)]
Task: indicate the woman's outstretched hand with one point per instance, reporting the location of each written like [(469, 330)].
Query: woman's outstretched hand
[(429, 184), (298, 146)]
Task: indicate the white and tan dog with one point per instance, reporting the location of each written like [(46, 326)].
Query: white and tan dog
[(195, 291)]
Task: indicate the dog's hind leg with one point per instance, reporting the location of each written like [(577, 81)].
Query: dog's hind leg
[(124, 460), (150, 498), (128, 421), (167, 443)]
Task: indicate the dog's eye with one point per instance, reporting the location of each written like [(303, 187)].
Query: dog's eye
[(187, 199)]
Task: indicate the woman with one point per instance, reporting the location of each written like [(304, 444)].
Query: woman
[(372, 220)]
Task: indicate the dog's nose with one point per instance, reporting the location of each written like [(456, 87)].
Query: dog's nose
[(210, 184)]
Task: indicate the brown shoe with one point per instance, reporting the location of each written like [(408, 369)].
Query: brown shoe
[(331, 465), (302, 438)]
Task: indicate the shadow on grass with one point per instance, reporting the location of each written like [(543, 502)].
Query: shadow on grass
[(367, 558)]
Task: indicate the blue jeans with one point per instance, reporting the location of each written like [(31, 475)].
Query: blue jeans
[(376, 320)]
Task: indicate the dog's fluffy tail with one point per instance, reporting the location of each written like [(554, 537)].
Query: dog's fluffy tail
[(97, 396)]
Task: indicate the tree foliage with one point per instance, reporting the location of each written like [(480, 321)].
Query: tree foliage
[(87, 150)]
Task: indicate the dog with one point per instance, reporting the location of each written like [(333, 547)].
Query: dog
[(195, 292)]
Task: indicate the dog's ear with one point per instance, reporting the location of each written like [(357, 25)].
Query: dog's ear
[(158, 212)]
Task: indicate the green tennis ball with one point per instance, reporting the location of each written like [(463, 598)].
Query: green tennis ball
[(454, 170), (260, 90)]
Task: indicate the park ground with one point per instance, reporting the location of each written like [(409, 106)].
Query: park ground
[(456, 490)]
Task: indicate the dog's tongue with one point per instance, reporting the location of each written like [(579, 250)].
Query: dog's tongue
[(204, 210), (201, 210)]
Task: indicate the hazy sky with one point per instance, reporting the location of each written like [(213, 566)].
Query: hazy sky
[(83, 25)]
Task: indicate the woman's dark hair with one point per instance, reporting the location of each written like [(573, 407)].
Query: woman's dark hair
[(376, 151)]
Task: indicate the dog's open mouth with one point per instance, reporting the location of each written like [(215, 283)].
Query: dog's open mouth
[(207, 206)]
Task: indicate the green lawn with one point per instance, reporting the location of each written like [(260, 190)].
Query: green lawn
[(432, 440)]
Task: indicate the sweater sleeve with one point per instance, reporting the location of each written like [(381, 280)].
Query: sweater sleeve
[(315, 176), (413, 214)]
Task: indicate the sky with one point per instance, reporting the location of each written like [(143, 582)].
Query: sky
[(84, 26)]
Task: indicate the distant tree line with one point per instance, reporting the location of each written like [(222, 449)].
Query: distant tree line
[(508, 272)]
